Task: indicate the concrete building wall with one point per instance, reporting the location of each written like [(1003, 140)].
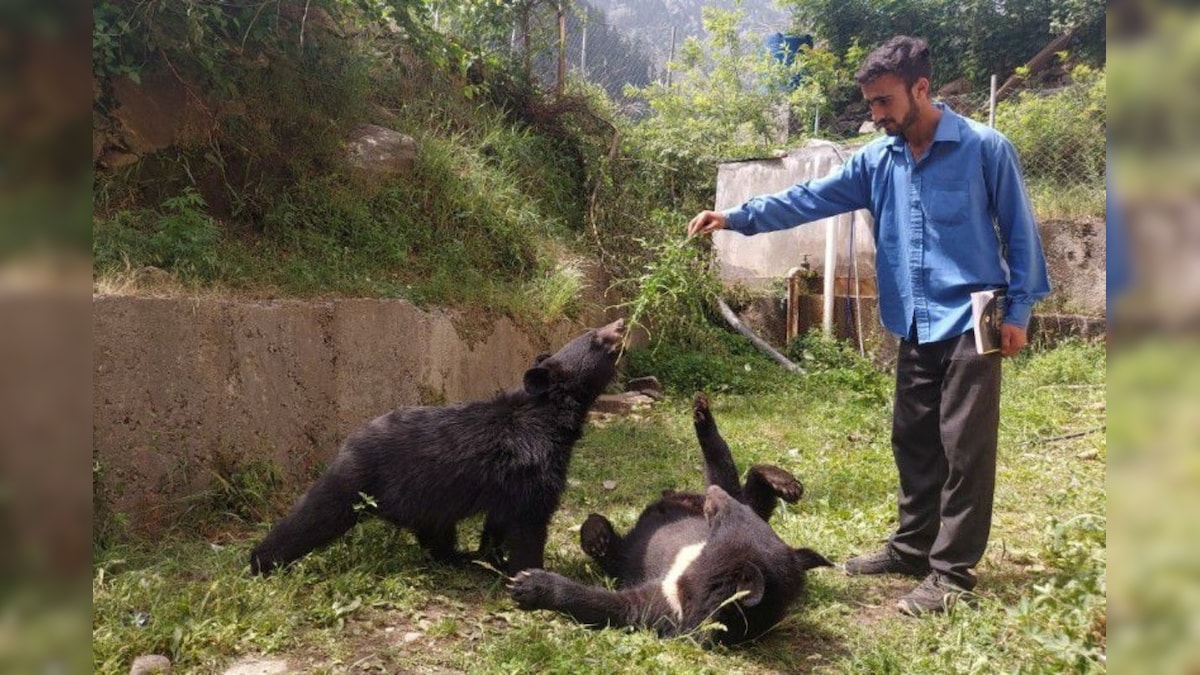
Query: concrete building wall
[(1074, 248), (757, 261)]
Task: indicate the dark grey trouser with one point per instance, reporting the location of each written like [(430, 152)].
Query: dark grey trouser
[(944, 431)]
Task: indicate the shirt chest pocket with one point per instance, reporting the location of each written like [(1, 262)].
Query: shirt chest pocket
[(948, 202)]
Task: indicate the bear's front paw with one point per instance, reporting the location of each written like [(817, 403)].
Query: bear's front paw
[(534, 588), (782, 482), (789, 491)]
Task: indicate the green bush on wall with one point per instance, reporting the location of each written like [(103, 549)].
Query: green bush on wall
[(1061, 140)]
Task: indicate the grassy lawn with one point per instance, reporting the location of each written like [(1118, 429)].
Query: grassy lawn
[(372, 602)]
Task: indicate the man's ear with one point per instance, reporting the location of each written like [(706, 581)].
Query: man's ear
[(750, 580), (922, 86), (538, 380)]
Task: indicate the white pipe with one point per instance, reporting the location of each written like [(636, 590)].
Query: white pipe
[(830, 271), (992, 103), (862, 348)]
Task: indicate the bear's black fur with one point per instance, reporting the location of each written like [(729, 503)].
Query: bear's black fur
[(426, 468), (691, 559)]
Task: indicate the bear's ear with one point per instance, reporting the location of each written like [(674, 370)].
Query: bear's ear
[(808, 559), (537, 380), (537, 360), (750, 580)]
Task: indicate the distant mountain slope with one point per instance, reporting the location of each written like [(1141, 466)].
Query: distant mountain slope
[(651, 21)]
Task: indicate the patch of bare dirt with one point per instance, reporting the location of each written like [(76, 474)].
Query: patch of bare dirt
[(423, 640)]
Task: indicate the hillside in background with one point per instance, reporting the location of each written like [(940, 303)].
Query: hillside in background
[(325, 150)]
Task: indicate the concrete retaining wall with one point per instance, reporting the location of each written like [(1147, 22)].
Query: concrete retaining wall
[(184, 387)]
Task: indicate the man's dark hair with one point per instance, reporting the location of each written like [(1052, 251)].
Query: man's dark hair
[(904, 56)]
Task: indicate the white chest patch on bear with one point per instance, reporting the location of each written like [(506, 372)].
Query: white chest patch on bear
[(670, 583)]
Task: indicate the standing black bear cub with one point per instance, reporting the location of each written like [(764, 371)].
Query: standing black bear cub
[(690, 559), (426, 468)]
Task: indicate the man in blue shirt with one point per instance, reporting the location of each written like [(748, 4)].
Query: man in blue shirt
[(951, 217)]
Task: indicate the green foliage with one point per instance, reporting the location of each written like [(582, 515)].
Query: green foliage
[(972, 39), (1061, 139), (819, 353), (827, 86), (109, 32), (723, 101), (488, 218), (719, 103), (178, 236), (461, 232), (214, 38), (243, 492), (546, 169), (835, 363), (1066, 614), (674, 300), (729, 364), (1060, 136), (557, 293), (186, 239), (675, 295), (262, 108)]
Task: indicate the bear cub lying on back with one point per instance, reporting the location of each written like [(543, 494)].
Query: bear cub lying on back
[(690, 559), (426, 468)]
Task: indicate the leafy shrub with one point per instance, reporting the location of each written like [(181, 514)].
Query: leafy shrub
[(729, 365), (816, 352), (834, 363), (1060, 136), (1067, 612), (718, 106), (673, 300), (179, 236)]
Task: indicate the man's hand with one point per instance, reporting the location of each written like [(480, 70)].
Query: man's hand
[(707, 223), (1012, 339)]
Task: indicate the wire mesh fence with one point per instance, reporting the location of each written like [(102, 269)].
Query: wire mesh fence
[(1060, 140), (604, 54), (1058, 130)]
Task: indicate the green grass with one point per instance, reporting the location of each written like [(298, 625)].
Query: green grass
[(373, 602)]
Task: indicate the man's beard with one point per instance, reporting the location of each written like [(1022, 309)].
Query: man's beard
[(909, 118)]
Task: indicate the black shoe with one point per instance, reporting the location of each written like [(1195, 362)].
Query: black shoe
[(934, 595), (884, 561)]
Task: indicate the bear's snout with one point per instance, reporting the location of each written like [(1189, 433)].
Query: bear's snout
[(612, 335)]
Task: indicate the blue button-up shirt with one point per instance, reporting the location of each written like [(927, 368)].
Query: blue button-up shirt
[(955, 222)]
